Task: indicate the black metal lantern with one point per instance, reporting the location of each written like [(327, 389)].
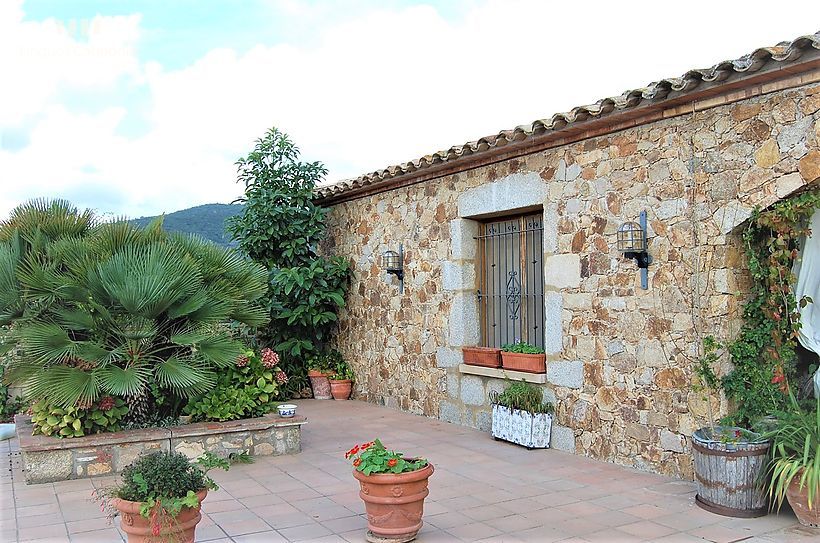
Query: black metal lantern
[(393, 263), (632, 243)]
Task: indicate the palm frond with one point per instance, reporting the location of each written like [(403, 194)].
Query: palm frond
[(184, 376), (129, 381)]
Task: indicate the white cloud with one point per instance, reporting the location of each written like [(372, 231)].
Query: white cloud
[(386, 87)]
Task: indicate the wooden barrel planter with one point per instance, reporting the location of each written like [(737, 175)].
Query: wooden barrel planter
[(730, 464)]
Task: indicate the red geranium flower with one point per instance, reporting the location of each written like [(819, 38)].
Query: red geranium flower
[(356, 462), (392, 462)]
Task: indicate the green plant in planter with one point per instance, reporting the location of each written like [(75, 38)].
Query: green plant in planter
[(326, 362), (343, 371), (245, 390), (103, 416), (163, 483), (795, 451), (522, 396), (521, 348)]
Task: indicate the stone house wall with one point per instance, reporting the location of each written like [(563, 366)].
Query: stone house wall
[(619, 358)]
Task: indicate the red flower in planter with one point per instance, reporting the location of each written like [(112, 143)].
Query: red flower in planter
[(356, 462), (392, 462)]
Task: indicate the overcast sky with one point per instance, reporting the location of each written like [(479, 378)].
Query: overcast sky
[(142, 107)]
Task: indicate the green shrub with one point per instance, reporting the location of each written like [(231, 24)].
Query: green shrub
[(524, 397), (522, 348), (110, 309), (160, 475), (247, 389), (281, 228), (103, 416)]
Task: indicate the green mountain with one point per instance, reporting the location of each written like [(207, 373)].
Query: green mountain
[(206, 220)]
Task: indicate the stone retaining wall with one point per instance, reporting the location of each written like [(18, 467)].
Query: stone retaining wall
[(47, 459)]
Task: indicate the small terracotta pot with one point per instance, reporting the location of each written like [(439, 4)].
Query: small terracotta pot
[(341, 388), (320, 385), (531, 363), (394, 503), (138, 528), (488, 357), (799, 500)]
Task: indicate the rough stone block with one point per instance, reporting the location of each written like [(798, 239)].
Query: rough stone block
[(553, 327), (566, 373), (463, 245), (47, 466), (450, 412), (448, 358), (516, 191), (472, 390), (458, 276), (463, 320), (453, 386), (484, 420), (562, 438), (562, 271), (671, 441)]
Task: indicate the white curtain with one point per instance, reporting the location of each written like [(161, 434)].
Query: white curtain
[(807, 269)]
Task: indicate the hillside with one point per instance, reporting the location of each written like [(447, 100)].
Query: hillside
[(206, 220)]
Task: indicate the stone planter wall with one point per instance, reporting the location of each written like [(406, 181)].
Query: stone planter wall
[(47, 459)]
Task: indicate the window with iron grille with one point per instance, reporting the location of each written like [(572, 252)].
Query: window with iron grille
[(511, 280)]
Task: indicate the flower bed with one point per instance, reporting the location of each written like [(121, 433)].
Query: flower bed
[(48, 459)]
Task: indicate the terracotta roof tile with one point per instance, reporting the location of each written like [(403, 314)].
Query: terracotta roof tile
[(785, 52)]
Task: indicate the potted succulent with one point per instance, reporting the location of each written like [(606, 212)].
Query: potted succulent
[(160, 494), (794, 467), (393, 488), (341, 382), (488, 357), (729, 461), (320, 368), (523, 357), (520, 415)]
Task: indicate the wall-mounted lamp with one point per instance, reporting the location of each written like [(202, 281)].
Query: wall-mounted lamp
[(632, 243), (393, 262)]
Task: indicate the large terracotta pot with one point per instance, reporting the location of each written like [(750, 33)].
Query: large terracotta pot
[(138, 527), (799, 500), (341, 388), (531, 363), (320, 385), (394, 503), (488, 357)]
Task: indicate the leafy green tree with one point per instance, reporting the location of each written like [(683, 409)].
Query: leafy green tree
[(101, 308), (280, 227)]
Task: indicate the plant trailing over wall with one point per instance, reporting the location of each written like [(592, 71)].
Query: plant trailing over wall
[(280, 227), (108, 309), (763, 354)]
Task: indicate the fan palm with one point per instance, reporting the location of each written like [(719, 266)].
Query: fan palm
[(108, 308)]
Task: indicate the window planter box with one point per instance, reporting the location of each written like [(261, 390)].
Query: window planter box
[(488, 357), (522, 427), (532, 363)]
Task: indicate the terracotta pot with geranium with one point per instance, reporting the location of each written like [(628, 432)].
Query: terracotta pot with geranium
[(160, 495), (393, 488)]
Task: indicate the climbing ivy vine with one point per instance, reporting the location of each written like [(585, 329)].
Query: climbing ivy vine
[(764, 354)]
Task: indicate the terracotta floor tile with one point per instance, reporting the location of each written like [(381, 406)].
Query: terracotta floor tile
[(646, 529), (473, 532), (481, 490), (305, 532), (261, 537)]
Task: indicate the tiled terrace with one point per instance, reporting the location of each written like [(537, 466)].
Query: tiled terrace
[(481, 490)]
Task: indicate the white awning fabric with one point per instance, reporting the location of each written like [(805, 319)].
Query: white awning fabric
[(807, 269)]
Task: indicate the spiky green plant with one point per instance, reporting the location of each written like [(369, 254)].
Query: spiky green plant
[(108, 308)]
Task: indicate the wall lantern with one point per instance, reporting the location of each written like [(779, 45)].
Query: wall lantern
[(393, 263), (632, 243)]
